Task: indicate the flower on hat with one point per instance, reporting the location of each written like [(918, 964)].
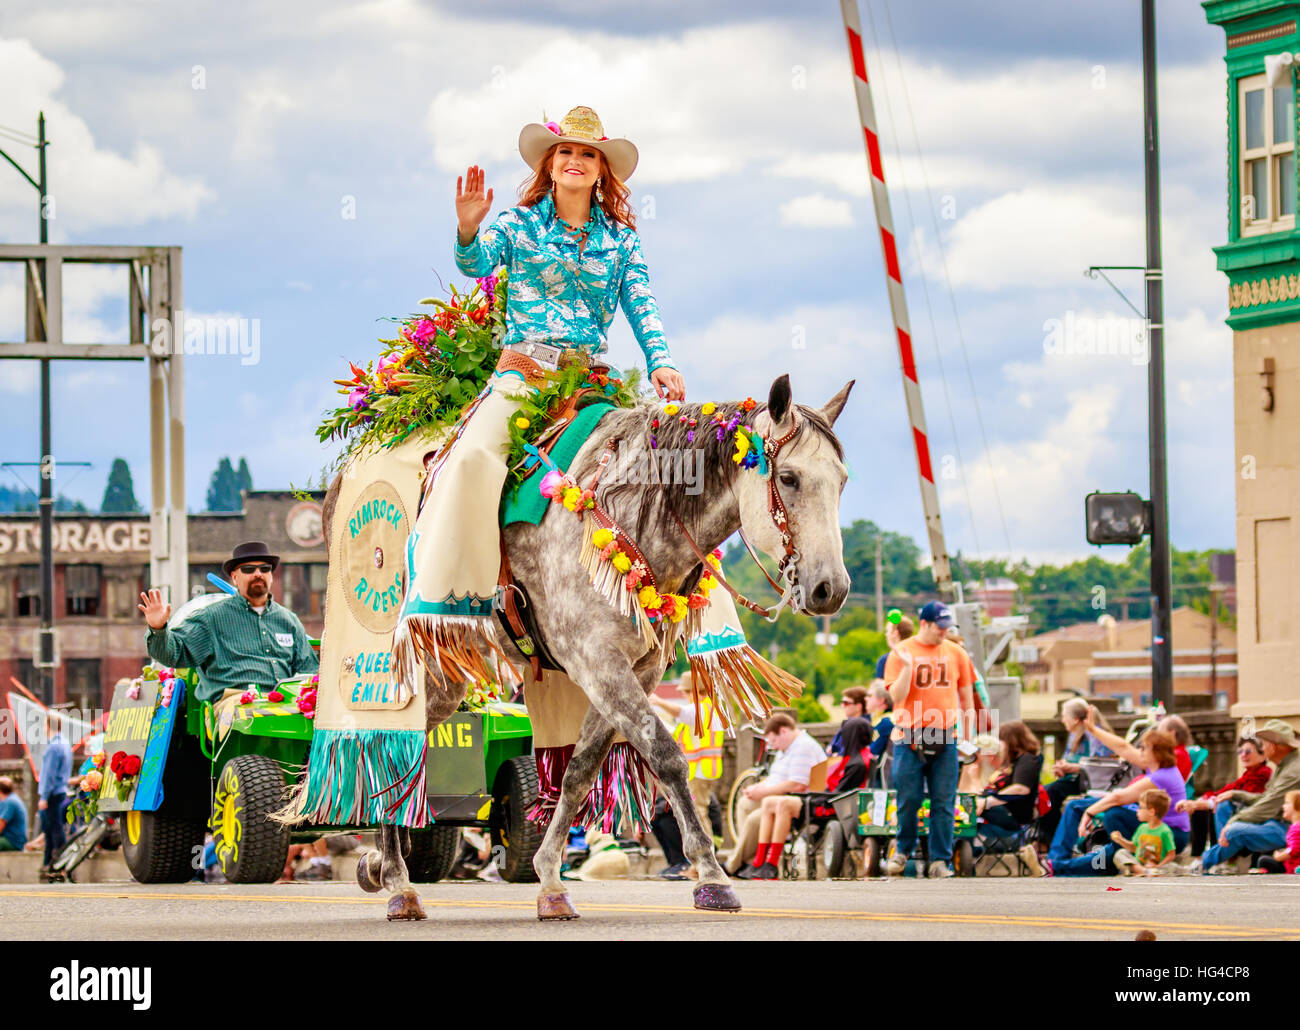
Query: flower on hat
[(554, 128)]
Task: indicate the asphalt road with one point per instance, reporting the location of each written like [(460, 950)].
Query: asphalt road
[(1185, 908)]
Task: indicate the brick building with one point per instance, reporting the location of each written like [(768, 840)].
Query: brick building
[(102, 565)]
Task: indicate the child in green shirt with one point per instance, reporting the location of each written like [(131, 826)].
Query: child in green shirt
[(1151, 850)]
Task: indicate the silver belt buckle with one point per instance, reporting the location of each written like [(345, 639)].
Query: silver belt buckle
[(543, 353)]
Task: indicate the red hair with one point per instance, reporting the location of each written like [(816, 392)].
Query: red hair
[(616, 204)]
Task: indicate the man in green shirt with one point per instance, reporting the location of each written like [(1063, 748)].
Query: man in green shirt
[(243, 640)]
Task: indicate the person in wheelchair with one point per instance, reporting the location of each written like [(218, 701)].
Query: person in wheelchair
[(771, 808), (1007, 804)]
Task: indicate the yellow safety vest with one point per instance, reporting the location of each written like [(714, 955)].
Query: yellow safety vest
[(703, 753)]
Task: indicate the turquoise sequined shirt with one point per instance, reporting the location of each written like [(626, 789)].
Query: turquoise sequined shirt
[(558, 299)]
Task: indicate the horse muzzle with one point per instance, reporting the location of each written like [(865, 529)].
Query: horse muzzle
[(826, 594)]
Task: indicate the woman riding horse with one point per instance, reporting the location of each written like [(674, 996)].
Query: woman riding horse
[(573, 256)]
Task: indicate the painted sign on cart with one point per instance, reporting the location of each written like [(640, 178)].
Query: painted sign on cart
[(142, 727)]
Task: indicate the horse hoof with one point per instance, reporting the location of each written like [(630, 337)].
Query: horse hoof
[(405, 905), (555, 906), (364, 880), (716, 897)]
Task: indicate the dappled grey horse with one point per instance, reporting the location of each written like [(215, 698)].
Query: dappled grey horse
[(604, 652)]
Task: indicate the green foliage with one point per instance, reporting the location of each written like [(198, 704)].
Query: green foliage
[(119, 493), (223, 488), (807, 709)]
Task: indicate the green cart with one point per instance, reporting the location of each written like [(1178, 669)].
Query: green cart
[(878, 825), (225, 768)]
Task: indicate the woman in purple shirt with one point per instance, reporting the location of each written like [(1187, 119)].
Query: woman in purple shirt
[(1154, 752)]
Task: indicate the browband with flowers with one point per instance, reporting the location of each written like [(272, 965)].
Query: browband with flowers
[(751, 447)]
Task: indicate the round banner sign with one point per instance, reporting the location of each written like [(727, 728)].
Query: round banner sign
[(372, 545)]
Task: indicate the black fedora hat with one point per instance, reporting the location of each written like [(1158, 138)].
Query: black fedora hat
[(252, 550)]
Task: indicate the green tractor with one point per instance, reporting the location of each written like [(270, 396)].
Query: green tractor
[(226, 768)]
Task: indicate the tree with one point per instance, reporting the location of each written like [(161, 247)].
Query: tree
[(243, 478), (119, 494), (223, 488)]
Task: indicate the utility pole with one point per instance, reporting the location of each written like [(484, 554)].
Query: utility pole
[(46, 640), (38, 315), (1161, 572), (880, 595)]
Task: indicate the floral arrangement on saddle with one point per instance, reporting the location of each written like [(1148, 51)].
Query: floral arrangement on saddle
[(438, 364)]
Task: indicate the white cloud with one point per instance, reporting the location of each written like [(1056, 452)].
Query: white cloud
[(91, 186), (817, 211)]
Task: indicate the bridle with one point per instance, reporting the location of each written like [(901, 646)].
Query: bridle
[(790, 589)]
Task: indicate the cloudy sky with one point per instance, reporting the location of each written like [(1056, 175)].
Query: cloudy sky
[(304, 155)]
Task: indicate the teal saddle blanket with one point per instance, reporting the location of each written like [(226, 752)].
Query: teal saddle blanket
[(526, 504)]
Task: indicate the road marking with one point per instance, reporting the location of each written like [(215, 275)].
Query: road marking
[(1096, 925)]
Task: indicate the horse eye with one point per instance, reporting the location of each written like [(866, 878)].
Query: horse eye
[(790, 479)]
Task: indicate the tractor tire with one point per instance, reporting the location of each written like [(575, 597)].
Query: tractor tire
[(964, 853), (251, 848), (433, 853), (515, 837), (160, 847), (834, 848), (873, 860)]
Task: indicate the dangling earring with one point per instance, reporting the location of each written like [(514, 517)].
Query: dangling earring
[(600, 196)]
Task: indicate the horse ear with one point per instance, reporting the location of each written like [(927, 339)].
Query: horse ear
[(778, 399), (832, 408)]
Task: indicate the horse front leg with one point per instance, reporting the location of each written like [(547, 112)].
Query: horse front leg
[(618, 695), (589, 753)]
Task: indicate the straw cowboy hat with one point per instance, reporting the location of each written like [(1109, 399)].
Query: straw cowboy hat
[(581, 125)]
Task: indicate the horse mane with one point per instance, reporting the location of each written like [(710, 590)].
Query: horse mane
[(631, 429)]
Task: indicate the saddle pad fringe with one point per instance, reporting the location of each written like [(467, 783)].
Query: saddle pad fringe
[(362, 777), (451, 643), (621, 798), (741, 684)]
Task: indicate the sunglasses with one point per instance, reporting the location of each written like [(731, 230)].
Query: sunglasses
[(248, 570)]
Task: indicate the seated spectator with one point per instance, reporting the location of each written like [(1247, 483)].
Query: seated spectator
[(853, 705), (13, 817), (850, 772), (1258, 826), (1151, 851), (771, 809), (1174, 726), (979, 773), (1008, 802), (1253, 780), (1153, 753), (1067, 770), (1286, 859), (894, 634)]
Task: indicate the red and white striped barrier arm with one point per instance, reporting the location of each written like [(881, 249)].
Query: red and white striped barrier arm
[(897, 299)]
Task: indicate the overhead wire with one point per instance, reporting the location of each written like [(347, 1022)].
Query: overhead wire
[(925, 289), (952, 297)]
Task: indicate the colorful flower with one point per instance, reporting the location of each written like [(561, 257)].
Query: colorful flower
[(633, 579), (115, 763), (99, 758), (248, 697), (92, 781), (275, 695), (572, 498), (621, 562), (133, 691), (358, 398), (649, 598), (554, 128), (671, 409), (602, 537), (131, 765), (522, 423), (749, 404), (608, 551), (551, 483), (708, 408)]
